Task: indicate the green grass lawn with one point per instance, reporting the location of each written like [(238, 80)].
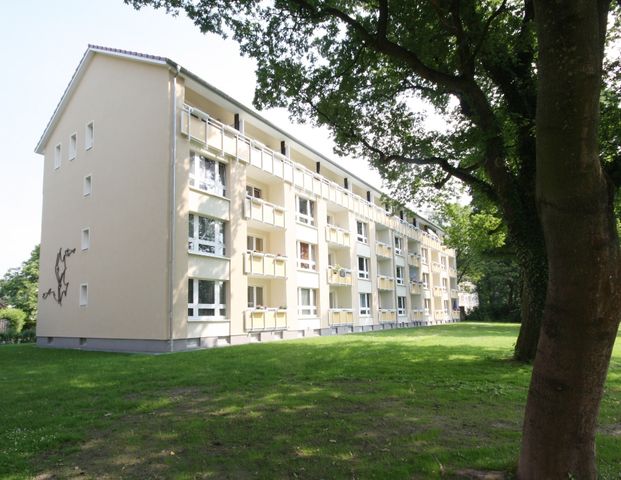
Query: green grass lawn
[(416, 403)]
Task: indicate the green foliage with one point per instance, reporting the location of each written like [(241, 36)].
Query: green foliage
[(19, 287), (15, 316), (25, 336)]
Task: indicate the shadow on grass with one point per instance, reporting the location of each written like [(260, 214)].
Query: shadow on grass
[(394, 404)]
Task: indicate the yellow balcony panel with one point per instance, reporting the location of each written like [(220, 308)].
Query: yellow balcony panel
[(414, 259), (385, 283), (339, 276), (441, 315), (415, 288), (387, 315), (436, 267), (265, 264), (265, 212), (337, 236), (265, 319), (383, 250), (340, 316)]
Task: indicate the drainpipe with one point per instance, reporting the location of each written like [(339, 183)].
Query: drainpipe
[(173, 210)]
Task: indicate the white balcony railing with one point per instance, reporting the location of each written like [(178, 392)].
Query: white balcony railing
[(414, 259), (262, 211), (383, 250), (265, 264), (340, 316), (262, 319)]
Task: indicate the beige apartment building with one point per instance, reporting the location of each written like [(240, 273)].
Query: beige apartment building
[(176, 218)]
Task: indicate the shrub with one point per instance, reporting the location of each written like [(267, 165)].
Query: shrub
[(16, 318)]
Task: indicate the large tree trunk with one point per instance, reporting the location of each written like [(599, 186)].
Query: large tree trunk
[(581, 312), (533, 265)]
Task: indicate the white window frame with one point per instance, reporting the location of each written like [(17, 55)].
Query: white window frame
[(311, 262), (305, 218), (83, 294), (254, 241), (444, 284), (218, 244), (87, 186), (215, 185), (73, 146), (58, 151), (253, 294), (427, 304), (425, 280), (401, 306), (254, 192), (309, 310), (362, 232), (85, 240), (89, 135), (398, 245), (424, 254), (364, 274), (400, 278), (365, 305), (219, 308)]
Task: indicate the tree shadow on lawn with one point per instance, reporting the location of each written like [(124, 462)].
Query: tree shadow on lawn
[(365, 408)]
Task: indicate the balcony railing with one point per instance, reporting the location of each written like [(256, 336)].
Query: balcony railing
[(414, 259), (417, 313), (223, 139), (262, 319), (456, 314), (337, 235), (387, 315), (339, 276), (385, 283), (436, 267), (383, 250), (452, 271), (441, 315), (265, 264), (262, 211), (454, 293), (340, 316), (416, 287)]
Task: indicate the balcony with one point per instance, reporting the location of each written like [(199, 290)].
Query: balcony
[(339, 276), (265, 265), (416, 287), (383, 250), (454, 293), (265, 212), (387, 315), (441, 315), (385, 283), (264, 319), (456, 314), (452, 271), (340, 316), (414, 259), (436, 267), (417, 313), (337, 236)]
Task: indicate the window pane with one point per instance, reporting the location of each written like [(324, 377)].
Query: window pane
[(220, 238), (190, 290), (259, 244), (251, 302), (249, 243), (206, 229), (222, 293), (206, 312), (206, 292), (206, 248), (311, 208), (222, 171), (304, 251), (190, 312), (249, 190), (302, 206), (259, 296), (304, 296), (191, 226)]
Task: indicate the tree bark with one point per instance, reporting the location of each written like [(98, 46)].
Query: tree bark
[(581, 314)]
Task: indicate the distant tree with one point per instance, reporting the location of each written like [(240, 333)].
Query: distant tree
[(15, 317), (19, 287), (485, 259)]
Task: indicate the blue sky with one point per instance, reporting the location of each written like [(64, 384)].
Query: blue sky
[(42, 43)]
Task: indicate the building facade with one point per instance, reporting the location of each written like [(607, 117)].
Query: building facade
[(176, 218)]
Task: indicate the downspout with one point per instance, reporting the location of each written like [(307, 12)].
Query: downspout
[(173, 210)]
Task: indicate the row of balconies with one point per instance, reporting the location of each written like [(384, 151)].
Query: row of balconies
[(270, 265), (200, 127)]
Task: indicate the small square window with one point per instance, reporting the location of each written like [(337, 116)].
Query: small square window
[(57, 156), (73, 143), (86, 238), (84, 295), (89, 139), (87, 188)]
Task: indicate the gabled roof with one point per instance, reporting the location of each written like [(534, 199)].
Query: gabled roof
[(77, 76)]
